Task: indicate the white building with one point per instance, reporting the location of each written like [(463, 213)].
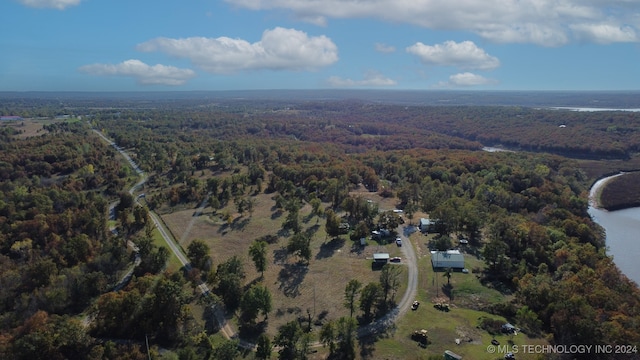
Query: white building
[(447, 259)]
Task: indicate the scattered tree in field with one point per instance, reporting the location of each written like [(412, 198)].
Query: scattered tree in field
[(257, 300), (390, 281), (333, 223), (300, 245), (292, 222), (293, 341), (350, 294), (198, 252), (316, 207), (258, 253), (228, 279), (370, 296)]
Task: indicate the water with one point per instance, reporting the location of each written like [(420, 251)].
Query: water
[(621, 227)]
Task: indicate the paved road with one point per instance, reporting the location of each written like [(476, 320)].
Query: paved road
[(376, 327), (225, 329)]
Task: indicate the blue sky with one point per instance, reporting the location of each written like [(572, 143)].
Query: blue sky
[(151, 45)]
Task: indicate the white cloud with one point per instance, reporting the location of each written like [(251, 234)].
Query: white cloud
[(143, 73), (543, 22), (384, 48), (465, 55), (605, 33), (279, 49), (371, 79), (55, 4), (465, 79)]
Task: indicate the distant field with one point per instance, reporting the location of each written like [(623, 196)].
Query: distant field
[(30, 127)]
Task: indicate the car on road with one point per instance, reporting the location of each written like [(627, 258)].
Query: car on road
[(398, 241)]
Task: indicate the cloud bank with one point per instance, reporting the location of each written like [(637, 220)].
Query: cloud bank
[(542, 22), (465, 79), (371, 79), (54, 4), (278, 49), (143, 73)]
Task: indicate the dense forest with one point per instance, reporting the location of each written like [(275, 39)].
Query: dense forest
[(67, 217)]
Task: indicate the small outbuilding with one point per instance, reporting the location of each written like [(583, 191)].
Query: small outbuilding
[(381, 258), (427, 225), (447, 259)]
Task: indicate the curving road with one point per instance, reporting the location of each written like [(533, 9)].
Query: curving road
[(376, 327), (225, 329)]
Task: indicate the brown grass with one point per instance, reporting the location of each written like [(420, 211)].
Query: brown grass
[(296, 288), (28, 127)]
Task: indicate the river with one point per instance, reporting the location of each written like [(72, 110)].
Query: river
[(622, 229)]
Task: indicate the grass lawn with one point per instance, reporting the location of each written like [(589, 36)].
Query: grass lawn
[(461, 322), (297, 289), (318, 288)]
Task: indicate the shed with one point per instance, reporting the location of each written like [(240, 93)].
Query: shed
[(447, 259), (381, 258), (427, 225)]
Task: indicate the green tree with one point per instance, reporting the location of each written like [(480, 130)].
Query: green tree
[(346, 334), (293, 342), (328, 336), (258, 253), (370, 297), (390, 281), (228, 279), (263, 347), (333, 223), (227, 350), (350, 293), (256, 300), (300, 245), (198, 252)]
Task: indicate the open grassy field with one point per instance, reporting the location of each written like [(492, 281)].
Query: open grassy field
[(318, 289), (295, 288)]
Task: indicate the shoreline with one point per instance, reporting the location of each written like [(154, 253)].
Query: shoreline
[(596, 191)]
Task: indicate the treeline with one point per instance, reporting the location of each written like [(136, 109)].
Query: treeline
[(527, 215)]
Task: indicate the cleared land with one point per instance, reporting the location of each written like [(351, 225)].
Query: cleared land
[(296, 289)]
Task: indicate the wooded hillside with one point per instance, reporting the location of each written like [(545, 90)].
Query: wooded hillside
[(524, 213)]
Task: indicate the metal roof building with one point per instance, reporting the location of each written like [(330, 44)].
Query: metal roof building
[(447, 259)]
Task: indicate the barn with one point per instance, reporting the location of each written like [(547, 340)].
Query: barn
[(447, 259)]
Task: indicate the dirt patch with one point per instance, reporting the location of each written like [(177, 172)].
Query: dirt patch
[(468, 335)]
